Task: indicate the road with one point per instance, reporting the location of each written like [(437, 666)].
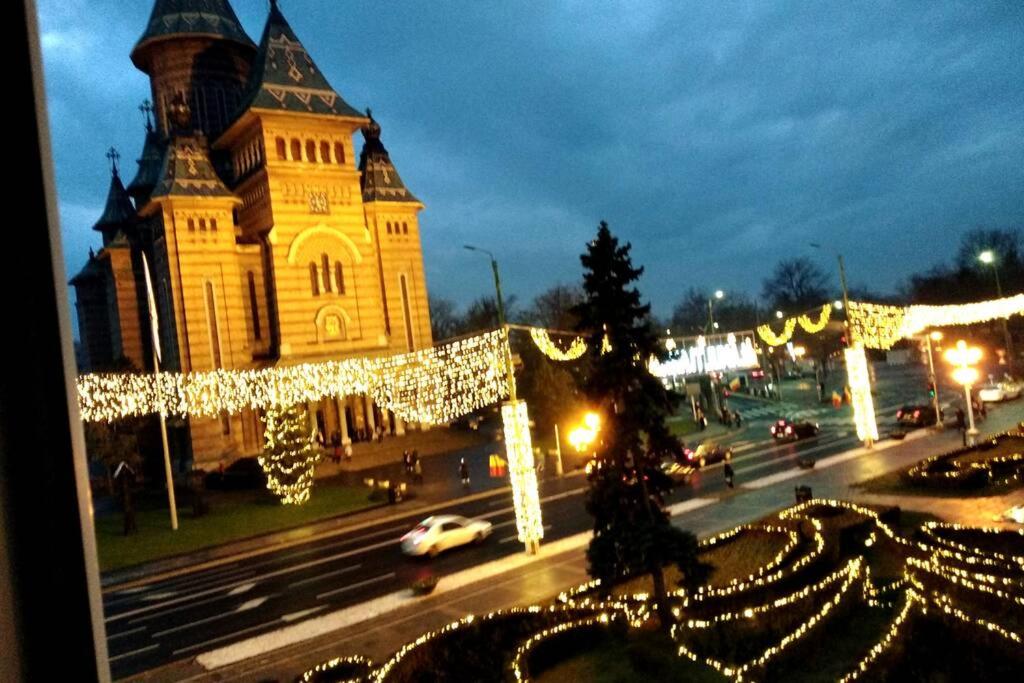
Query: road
[(181, 617)]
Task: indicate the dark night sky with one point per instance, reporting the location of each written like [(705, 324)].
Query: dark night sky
[(717, 137)]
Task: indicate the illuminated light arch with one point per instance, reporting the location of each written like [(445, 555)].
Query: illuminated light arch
[(322, 230), (771, 339), (812, 326), (542, 339)]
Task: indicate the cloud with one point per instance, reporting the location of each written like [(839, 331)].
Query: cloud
[(717, 138)]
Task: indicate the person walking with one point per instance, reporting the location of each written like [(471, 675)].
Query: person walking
[(336, 446), (348, 451), (727, 470), (961, 424), (464, 472), (417, 469), (407, 461)]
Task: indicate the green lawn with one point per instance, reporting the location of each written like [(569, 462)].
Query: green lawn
[(231, 517)]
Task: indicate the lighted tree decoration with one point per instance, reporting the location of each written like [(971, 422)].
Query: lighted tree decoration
[(290, 455), (632, 532)]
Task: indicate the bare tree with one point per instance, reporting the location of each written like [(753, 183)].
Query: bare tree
[(444, 319), (554, 308), (795, 285)]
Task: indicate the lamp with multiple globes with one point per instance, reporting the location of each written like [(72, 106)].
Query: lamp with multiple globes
[(963, 357)]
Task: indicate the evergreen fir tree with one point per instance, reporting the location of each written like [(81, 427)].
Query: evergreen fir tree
[(291, 454), (632, 532)]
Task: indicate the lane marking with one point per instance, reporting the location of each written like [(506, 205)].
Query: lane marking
[(295, 616), (111, 636), (320, 577), (133, 652), (244, 607), (344, 589)]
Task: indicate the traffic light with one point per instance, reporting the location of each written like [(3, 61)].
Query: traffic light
[(931, 389)]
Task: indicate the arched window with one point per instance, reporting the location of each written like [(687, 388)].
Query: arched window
[(314, 279), (296, 150), (192, 224), (339, 153), (310, 151), (325, 152), (282, 149), (202, 225), (254, 307), (213, 224), (389, 227), (339, 277), (211, 319), (327, 272), (405, 228)]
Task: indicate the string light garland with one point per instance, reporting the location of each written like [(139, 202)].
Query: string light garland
[(812, 326), (522, 472), (434, 386), (875, 326), (290, 457), (860, 393), (771, 339), (542, 339)]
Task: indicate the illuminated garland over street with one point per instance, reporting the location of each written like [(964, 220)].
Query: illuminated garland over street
[(814, 326), (542, 339), (770, 338), (435, 385)]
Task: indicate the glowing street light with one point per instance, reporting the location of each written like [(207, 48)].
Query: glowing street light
[(988, 257), (780, 315), (712, 325), (583, 437), (963, 357)]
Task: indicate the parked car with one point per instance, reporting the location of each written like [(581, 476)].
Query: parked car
[(441, 532), (1001, 391), (242, 474), (791, 430), (917, 416), (706, 453)]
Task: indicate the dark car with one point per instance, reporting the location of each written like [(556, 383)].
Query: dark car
[(678, 472), (706, 453), (916, 416), (242, 474), (791, 430)]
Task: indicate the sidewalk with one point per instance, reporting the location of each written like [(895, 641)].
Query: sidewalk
[(562, 564)]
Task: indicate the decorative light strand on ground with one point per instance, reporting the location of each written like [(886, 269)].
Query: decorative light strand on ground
[(435, 385), (542, 339), (519, 669), (878, 649)]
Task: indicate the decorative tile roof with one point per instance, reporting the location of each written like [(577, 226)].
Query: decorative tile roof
[(150, 165), (379, 180), (119, 210), (286, 78), (186, 170), (193, 17)]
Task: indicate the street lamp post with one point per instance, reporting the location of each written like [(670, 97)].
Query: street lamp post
[(963, 357), (988, 257), (936, 335), (719, 294), (518, 446)]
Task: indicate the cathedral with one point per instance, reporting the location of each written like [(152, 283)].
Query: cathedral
[(267, 241)]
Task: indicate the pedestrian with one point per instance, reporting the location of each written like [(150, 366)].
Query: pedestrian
[(739, 419), (417, 469), (336, 446), (727, 469), (961, 424), (837, 400), (406, 462), (464, 472), (348, 451), (392, 494)]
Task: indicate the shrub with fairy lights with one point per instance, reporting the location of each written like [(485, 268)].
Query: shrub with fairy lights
[(291, 454)]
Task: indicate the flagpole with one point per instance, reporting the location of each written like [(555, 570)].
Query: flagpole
[(155, 334)]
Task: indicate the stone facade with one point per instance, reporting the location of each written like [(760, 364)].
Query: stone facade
[(267, 241)]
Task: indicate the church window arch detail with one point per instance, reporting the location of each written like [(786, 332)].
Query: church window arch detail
[(339, 277), (339, 153), (314, 279), (332, 323), (296, 150), (310, 151), (325, 152), (282, 149), (192, 224)]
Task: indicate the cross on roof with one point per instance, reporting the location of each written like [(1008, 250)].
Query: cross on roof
[(147, 108), (114, 157)]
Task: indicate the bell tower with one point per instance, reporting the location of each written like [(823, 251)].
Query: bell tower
[(198, 49)]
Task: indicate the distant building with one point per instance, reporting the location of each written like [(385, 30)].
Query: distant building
[(269, 243)]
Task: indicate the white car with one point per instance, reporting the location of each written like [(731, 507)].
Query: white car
[(1003, 391), (435, 534)]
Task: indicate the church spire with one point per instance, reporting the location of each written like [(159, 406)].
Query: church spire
[(379, 180), (119, 212), (285, 77)]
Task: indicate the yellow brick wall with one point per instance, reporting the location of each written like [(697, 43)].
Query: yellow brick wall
[(127, 305)]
